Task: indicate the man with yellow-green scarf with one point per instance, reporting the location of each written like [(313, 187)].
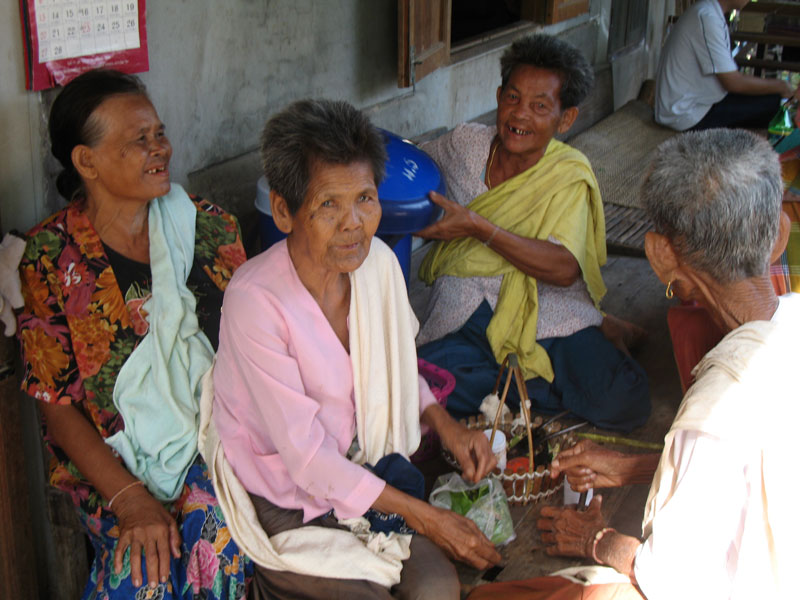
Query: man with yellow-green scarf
[(517, 267)]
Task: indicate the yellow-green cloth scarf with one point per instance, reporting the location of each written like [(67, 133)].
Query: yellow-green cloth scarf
[(558, 197)]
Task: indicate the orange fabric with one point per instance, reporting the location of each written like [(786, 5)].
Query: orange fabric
[(554, 588), (785, 272), (693, 333)]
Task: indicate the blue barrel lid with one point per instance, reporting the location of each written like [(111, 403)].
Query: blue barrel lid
[(410, 175), (262, 196)]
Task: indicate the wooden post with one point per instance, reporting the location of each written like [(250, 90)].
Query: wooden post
[(18, 578)]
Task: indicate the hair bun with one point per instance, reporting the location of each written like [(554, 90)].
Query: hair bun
[(68, 184)]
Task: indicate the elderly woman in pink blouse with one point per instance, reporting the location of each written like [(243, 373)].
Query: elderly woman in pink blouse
[(316, 376)]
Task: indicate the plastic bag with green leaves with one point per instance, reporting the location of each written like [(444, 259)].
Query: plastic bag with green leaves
[(784, 129), (484, 503)]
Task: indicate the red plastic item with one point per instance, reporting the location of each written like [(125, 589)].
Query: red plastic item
[(441, 382), (518, 465)]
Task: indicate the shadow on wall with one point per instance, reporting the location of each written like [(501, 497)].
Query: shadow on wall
[(376, 39)]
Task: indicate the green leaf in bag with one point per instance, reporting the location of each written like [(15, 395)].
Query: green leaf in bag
[(461, 502)]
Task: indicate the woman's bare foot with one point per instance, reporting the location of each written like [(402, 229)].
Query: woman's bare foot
[(623, 334)]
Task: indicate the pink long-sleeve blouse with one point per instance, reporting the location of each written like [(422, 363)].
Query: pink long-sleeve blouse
[(284, 405)]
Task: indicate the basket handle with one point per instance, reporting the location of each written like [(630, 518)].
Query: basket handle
[(500, 374), (523, 404), (511, 362), (502, 398)]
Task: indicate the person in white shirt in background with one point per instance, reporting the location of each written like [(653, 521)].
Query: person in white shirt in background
[(698, 85)]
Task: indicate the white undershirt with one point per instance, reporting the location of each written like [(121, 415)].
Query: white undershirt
[(692, 550)]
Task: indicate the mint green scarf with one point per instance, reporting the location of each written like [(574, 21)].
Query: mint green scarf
[(158, 389)]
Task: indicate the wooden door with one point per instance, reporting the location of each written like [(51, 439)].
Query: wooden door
[(552, 11), (423, 38)]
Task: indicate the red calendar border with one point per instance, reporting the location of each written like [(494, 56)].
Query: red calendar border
[(41, 76)]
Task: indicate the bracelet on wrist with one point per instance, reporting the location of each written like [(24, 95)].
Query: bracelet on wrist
[(597, 537), (124, 489), (491, 237)]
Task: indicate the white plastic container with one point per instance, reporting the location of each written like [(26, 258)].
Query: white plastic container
[(572, 497), (498, 446)]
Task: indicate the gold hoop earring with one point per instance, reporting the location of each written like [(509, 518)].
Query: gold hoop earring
[(669, 293)]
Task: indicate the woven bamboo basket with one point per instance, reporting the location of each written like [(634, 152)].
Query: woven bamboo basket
[(523, 483)]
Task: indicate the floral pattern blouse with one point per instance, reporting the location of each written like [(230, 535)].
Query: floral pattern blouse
[(78, 326)]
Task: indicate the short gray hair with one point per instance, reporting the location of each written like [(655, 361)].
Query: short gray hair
[(317, 131), (716, 195), (556, 55)]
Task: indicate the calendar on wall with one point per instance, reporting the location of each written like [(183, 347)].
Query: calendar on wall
[(64, 38)]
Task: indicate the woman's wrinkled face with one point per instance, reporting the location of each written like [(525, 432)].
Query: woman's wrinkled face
[(529, 111), (131, 159), (339, 215)]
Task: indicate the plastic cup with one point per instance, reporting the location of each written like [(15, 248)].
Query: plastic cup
[(498, 446)]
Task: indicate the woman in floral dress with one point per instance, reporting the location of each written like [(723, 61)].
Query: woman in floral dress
[(132, 263)]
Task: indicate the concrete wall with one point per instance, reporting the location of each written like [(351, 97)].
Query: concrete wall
[(20, 158)]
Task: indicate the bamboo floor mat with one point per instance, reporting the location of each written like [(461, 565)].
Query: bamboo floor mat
[(625, 229), (620, 148)]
